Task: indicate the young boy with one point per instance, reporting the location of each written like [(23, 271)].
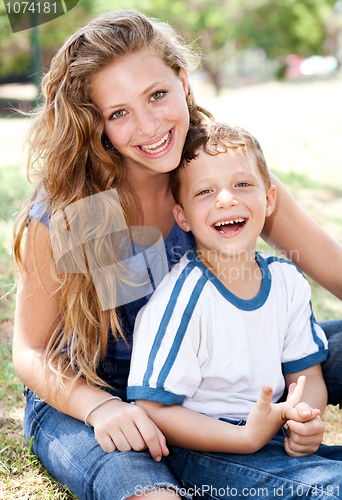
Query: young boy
[(225, 322)]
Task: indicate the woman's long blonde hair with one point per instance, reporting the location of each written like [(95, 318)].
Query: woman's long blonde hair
[(70, 158)]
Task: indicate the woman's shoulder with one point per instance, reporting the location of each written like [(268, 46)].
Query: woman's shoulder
[(40, 211)]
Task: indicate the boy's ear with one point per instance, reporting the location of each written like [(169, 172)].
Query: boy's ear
[(270, 200), (179, 215)]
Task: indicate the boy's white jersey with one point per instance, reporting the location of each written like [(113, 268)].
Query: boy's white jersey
[(197, 344)]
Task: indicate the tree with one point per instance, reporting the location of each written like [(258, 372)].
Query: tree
[(221, 28)]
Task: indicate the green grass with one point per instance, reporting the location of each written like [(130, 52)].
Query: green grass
[(22, 476)]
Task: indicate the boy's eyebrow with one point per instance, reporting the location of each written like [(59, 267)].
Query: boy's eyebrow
[(196, 183), (235, 174)]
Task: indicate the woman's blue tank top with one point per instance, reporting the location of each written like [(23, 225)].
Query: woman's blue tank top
[(176, 244)]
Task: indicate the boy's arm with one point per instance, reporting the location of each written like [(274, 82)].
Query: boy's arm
[(305, 438), (189, 429)]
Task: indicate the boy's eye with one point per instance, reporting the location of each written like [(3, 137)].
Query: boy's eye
[(243, 184), (117, 114), (204, 191), (157, 95)]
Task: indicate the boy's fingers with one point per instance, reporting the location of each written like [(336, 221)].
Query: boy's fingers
[(296, 395), (265, 397), (306, 412), (290, 390)]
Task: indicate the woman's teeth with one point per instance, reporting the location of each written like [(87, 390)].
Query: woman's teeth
[(158, 146)]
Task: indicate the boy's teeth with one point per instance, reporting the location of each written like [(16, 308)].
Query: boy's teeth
[(224, 223), (158, 146)]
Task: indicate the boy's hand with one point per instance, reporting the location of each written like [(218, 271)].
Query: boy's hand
[(305, 437), (265, 419)]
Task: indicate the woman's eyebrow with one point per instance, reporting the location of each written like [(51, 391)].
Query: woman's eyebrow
[(144, 92), (150, 87)]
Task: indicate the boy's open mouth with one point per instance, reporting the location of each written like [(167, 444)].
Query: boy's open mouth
[(229, 226)]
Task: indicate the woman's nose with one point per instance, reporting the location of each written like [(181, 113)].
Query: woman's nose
[(226, 199), (147, 122)]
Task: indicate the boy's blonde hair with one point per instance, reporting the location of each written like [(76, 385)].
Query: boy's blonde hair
[(215, 138)]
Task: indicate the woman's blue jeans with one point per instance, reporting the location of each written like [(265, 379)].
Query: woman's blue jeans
[(70, 452)]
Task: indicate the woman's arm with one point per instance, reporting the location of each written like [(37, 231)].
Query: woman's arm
[(305, 242), (116, 424)]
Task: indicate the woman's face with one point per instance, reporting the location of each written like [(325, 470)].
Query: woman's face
[(143, 103)]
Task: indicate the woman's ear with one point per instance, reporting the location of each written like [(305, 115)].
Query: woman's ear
[(179, 215), (185, 81), (270, 200)]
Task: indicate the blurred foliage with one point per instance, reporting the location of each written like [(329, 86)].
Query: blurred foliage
[(15, 48), (222, 28)]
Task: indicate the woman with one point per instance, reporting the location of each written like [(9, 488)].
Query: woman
[(116, 113)]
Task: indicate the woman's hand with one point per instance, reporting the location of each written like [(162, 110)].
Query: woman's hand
[(123, 426)]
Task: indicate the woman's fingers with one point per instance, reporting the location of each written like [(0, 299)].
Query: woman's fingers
[(153, 438), (129, 428)]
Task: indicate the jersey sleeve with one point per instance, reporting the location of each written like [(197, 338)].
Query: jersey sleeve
[(164, 364), (40, 212), (305, 343)]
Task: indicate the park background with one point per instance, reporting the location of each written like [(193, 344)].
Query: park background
[(270, 66)]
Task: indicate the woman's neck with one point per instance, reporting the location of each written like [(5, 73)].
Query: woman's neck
[(154, 200)]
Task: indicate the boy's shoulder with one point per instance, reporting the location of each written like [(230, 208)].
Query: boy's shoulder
[(283, 270)]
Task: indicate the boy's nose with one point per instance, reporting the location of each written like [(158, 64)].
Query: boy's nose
[(226, 199)]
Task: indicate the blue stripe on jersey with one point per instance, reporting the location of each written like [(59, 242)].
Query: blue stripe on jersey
[(153, 394), (319, 342), (165, 321), (316, 338), (298, 365), (164, 372), (245, 305)]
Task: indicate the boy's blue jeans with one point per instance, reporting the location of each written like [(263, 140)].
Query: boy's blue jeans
[(69, 451), (268, 473)]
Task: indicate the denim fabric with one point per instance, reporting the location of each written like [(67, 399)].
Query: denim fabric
[(69, 451), (270, 473), (332, 367)]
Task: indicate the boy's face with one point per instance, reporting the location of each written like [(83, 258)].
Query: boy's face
[(224, 202)]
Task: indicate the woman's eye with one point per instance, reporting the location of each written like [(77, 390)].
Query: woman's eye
[(157, 95), (117, 114)]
